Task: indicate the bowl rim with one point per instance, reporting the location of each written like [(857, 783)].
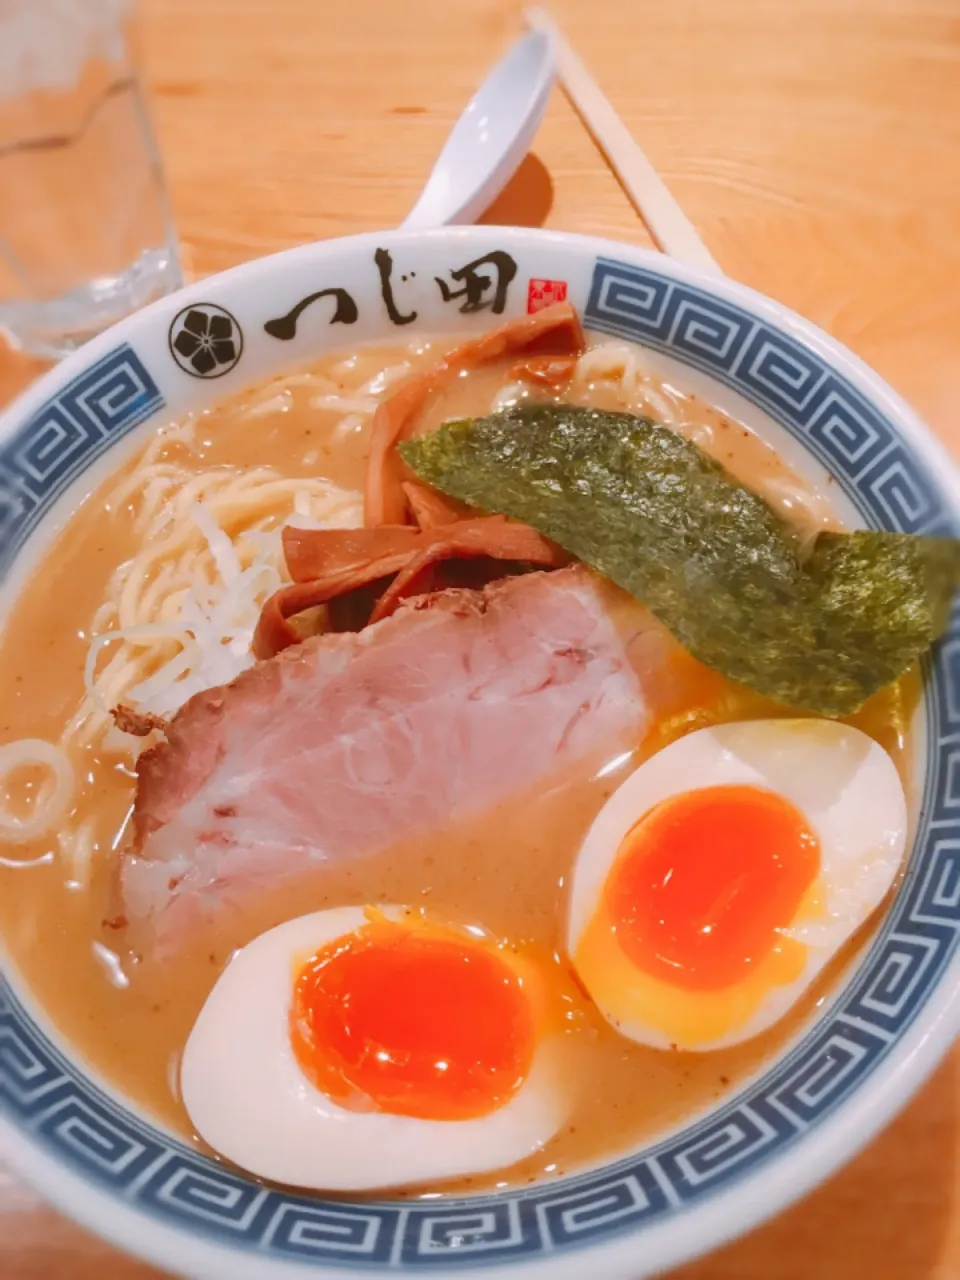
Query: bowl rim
[(757, 1195)]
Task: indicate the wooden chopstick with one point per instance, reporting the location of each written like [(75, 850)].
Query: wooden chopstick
[(669, 226)]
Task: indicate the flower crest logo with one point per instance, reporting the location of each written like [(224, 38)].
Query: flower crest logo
[(205, 340)]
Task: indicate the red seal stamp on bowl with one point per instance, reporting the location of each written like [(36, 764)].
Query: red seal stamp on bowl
[(543, 293)]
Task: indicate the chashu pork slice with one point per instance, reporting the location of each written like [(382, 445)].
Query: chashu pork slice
[(343, 745)]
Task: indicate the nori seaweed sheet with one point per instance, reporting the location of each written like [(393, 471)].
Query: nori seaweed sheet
[(818, 630)]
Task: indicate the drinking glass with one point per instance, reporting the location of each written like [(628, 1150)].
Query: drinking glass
[(86, 234)]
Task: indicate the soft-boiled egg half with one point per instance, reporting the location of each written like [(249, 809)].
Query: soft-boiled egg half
[(352, 1048), (721, 877)]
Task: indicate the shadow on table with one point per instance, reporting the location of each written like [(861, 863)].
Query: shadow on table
[(527, 198), (884, 1216)]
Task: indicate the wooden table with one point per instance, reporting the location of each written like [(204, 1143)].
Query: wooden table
[(815, 144)]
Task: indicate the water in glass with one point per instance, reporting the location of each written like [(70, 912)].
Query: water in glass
[(86, 234)]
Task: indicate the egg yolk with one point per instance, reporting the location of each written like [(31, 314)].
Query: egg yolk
[(415, 1022), (704, 880)]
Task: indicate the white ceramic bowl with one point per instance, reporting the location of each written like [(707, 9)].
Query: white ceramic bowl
[(842, 1078)]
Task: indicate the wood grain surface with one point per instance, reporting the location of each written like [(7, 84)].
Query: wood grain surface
[(816, 146)]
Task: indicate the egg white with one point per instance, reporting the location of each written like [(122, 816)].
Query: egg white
[(248, 1098), (851, 796)]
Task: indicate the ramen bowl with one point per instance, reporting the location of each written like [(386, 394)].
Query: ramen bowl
[(864, 1048)]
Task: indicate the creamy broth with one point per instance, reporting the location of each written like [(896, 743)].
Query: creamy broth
[(129, 1016)]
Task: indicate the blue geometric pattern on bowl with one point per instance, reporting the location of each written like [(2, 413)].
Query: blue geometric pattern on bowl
[(48, 1097), (64, 436), (832, 418)]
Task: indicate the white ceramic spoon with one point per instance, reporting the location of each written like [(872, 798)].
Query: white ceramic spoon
[(490, 139)]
